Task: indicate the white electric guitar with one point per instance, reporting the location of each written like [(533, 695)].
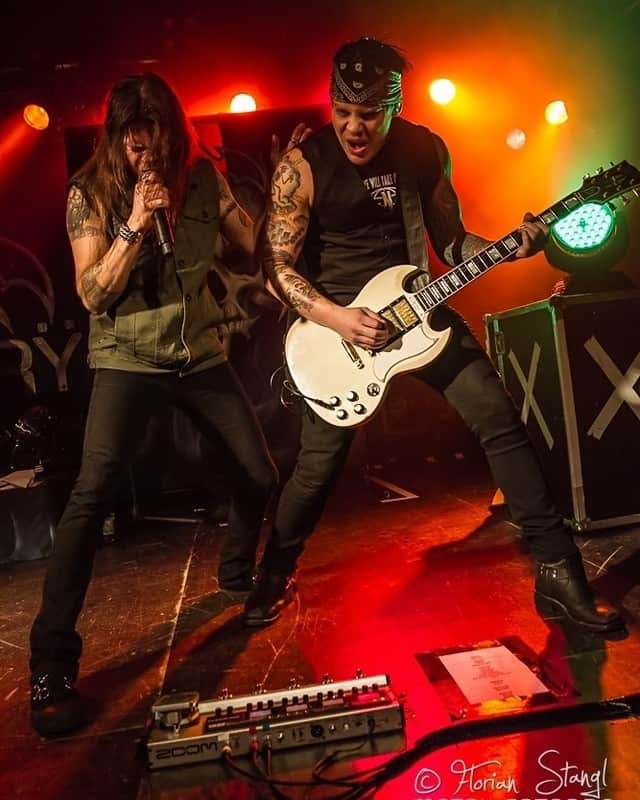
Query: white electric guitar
[(345, 384)]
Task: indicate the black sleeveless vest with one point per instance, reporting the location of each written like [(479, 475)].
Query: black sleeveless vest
[(350, 237)]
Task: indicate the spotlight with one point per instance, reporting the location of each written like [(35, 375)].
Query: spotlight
[(516, 139), (242, 103), (589, 244), (36, 117), (556, 113), (585, 229), (442, 91)]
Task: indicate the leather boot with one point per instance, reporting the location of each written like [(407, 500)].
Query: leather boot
[(56, 706), (562, 589), (270, 595)]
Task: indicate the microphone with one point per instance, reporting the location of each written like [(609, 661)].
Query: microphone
[(164, 231), (161, 219)]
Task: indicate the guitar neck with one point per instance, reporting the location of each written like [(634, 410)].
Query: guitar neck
[(444, 287)]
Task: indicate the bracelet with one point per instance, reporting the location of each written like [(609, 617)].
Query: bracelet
[(130, 236)]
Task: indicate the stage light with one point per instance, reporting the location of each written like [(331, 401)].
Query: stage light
[(516, 139), (556, 113), (442, 91), (242, 103), (36, 117), (585, 229)]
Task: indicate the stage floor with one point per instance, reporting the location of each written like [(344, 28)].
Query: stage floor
[(383, 580)]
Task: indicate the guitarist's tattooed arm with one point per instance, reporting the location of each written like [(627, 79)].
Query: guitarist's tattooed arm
[(443, 220), (286, 228), (450, 239)]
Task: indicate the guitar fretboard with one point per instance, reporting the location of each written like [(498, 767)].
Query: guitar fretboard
[(407, 311), (444, 287), (440, 289)]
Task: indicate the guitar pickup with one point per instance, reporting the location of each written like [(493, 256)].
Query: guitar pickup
[(353, 354)]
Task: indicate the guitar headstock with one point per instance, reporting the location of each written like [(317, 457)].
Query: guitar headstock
[(607, 184)]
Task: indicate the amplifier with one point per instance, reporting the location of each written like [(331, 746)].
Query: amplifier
[(184, 730)]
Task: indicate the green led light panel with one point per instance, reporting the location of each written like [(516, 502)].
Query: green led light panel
[(585, 228)]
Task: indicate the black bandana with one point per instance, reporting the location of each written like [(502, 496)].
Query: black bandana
[(362, 83)]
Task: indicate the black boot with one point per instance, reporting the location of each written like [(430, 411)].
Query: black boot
[(56, 706), (562, 590), (269, 596)]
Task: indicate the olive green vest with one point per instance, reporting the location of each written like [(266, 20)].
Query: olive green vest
[(163, 321)]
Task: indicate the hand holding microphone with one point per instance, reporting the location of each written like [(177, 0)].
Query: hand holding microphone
[(150, 205)]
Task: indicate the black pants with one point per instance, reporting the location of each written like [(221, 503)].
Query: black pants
[(466, 377), (120, 404)]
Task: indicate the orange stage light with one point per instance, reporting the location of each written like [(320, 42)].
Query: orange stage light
[(442, 91), (516, 139), (36, 117), (556, 113)]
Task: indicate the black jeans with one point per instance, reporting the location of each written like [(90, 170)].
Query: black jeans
[(120, 404), (468, 380)]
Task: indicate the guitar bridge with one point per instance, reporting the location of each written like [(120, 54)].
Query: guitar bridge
[(353, 354)]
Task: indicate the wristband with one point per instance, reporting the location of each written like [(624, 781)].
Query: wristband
[(130, 236)]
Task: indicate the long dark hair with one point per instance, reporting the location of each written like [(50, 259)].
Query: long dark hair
[(106, 178)]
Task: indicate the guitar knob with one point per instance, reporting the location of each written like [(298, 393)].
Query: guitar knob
[(334, 401), (341, 414), (359, 409), (351, 396), (373, 390)]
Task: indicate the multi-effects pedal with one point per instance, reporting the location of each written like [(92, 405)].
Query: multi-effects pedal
[(184, 730)]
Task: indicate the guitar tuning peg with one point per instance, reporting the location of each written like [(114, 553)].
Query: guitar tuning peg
[(600, 170), (585, 176)]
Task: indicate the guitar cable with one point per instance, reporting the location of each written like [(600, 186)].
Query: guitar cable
[(289, 387)]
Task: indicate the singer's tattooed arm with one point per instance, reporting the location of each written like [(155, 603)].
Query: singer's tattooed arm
[(451, 241), (236, 225), (79, 217), (95, 297), (102, 269)]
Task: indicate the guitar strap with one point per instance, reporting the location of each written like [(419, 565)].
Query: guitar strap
[(409, 160)]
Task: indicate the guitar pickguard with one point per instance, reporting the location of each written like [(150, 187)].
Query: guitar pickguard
[(415, 349)]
